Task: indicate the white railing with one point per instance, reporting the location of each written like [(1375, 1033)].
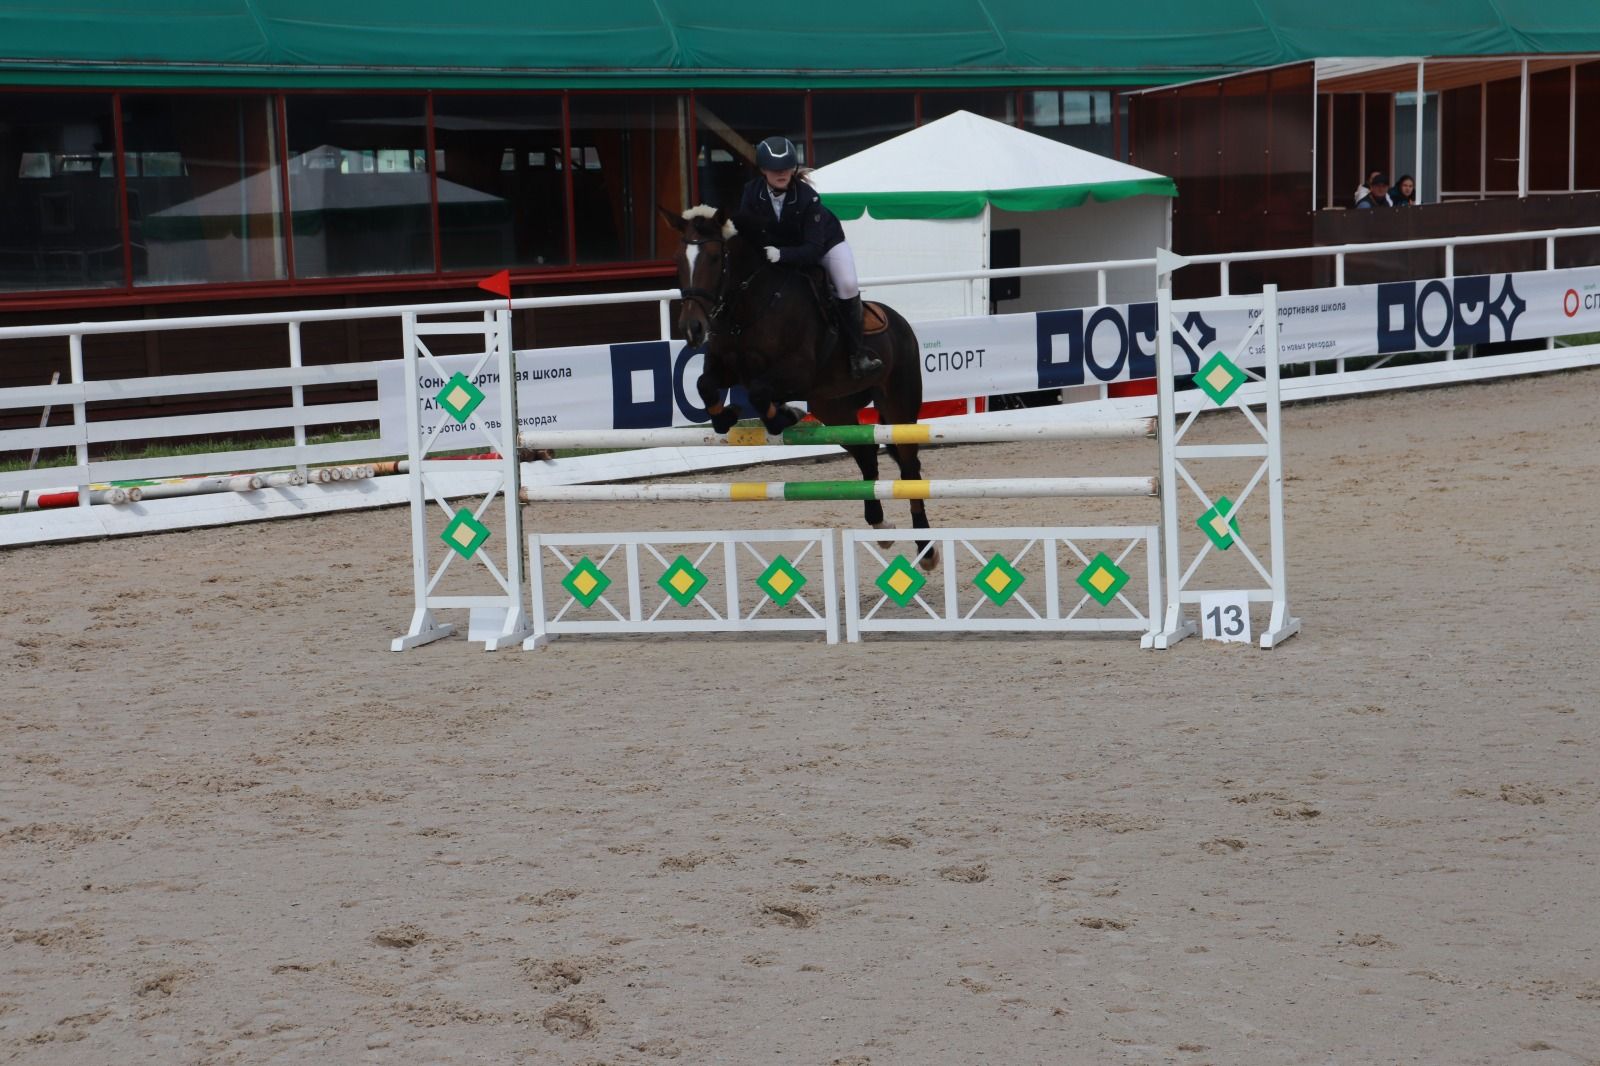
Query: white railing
[(301, 418)]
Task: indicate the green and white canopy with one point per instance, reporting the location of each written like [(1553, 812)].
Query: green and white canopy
[(962, 163)]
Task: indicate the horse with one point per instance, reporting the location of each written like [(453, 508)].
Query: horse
[(768, 328)]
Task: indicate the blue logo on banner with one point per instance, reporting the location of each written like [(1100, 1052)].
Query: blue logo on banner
[(1105, 345), (654, 358), (1458, 309), (669, 389)]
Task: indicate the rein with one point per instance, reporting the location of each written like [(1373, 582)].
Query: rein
[(715, 304)]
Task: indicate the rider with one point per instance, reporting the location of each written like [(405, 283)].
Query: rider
[(806, 233)]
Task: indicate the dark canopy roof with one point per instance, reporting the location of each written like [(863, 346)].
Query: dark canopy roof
[(739, 42)]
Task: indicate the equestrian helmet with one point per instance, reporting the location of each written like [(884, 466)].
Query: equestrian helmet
[(777, 153)]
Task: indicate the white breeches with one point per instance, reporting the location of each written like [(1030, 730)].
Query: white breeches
[(841, 264)]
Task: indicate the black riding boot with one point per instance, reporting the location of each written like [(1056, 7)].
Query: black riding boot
[(862, 362)]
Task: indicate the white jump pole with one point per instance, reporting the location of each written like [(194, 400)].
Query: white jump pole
[(808, 434), (794, 491)]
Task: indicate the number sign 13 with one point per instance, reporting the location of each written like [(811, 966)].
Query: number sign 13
[(1225, 616)]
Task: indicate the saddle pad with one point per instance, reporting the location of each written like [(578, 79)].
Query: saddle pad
[(873, 320)]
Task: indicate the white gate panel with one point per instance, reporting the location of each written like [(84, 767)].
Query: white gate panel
[(1025, 589), (746, 581)]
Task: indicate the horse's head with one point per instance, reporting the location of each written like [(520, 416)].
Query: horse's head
[(707, 245)]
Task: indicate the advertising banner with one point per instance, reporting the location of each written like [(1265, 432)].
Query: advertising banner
[(651, 384)]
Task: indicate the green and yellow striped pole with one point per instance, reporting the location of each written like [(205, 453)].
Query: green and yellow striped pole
[(749, 491)]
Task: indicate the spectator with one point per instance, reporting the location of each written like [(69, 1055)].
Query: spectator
[(1377, 193), (1404, 193), (1361, 190)]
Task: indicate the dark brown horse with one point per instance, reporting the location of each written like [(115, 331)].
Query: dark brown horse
[(765, 327)]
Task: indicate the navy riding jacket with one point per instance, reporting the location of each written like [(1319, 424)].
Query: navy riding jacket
[(804, 231)]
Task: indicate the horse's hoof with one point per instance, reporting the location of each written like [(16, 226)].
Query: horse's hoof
[(787, 416), (724, 420), (930, 559), (884, 525)]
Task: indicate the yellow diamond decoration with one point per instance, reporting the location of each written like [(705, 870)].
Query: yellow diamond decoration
[(1220, 378), (682, 581), (1102, 579), (900, 582), (781, 581), (586, 582), (459, 398), (999, 580), (464, 534)]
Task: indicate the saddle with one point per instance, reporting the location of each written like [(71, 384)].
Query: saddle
[(873, 320)]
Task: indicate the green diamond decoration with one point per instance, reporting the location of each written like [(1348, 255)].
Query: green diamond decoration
[(465, 534), (1102, 579), (1220, 378), (1211, 525), (901, 582), (999, 580), (459, 398), (781, 581), (586, 582), (682, 581)]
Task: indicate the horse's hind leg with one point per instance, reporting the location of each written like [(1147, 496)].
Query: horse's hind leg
[(905, 456), (866, 457)]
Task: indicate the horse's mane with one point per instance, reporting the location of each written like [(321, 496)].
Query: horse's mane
[(702, 220)]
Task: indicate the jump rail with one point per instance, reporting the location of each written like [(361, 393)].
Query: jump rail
[(808, 434), (749, 491)]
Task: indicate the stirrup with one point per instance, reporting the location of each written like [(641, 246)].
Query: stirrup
[(863, 363)]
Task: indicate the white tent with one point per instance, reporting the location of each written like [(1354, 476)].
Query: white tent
[(935, 198)]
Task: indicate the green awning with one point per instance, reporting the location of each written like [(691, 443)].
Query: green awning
[(966, 204), (827, 43)]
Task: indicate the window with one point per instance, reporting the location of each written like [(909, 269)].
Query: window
[(502, 195), (60, 220), (1079, 118), (728, 127), (629, 151), (205, 203), (358, 186), (998, 104), (842, 124)]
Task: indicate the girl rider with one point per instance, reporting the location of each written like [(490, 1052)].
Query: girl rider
[(804, 232)]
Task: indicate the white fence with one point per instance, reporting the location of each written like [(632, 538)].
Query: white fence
[(300, 420)]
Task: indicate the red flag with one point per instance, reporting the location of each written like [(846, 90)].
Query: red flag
[(499, 284)]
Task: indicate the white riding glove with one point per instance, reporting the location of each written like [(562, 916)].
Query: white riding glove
[(772, 254)]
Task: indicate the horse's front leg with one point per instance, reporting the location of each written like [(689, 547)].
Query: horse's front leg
[(716, 378), (776, 416)]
